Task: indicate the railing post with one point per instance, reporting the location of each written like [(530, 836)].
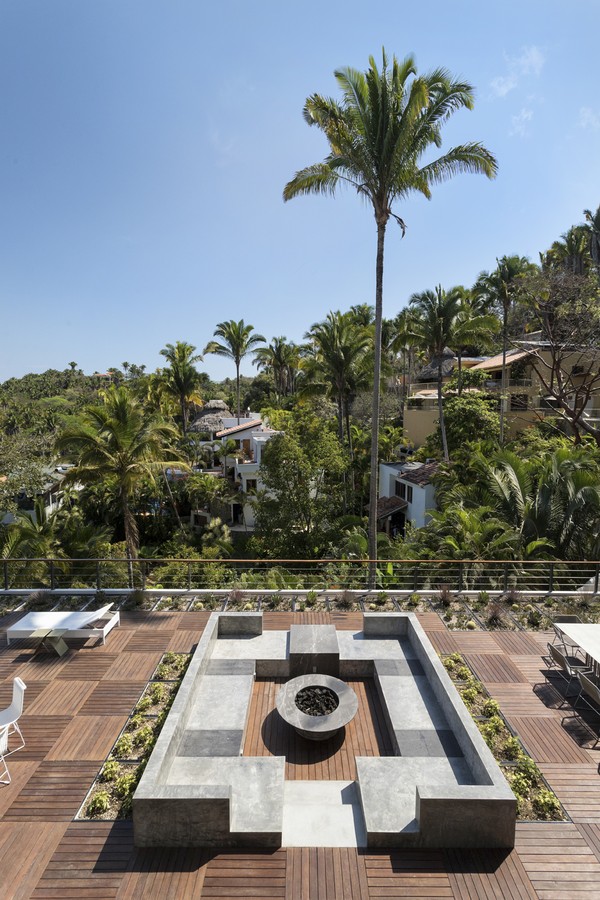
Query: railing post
[(551, 579), (416, 579), (189, 567), (51, 574), (596, 576), (143, 565), (505, 588), (5, 567), (98, 575), (460, 577)]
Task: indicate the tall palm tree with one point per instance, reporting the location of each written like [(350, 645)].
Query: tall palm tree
[(472, 328), (117, 443), (378, 134), (593, 229), (571, 252), (335, 363), (238, 341), (282, 360), (433, 330), (497, 288), (181, 378)]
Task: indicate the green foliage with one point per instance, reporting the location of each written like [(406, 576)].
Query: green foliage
[(491, 708), (125, 785), (110, 770), (144, 737), (123, 747), (511, 749), (468, 417), (301, 470), (99, 804), (546, 803)]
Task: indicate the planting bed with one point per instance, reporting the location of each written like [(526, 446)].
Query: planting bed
[(110, 795), (534, 799)]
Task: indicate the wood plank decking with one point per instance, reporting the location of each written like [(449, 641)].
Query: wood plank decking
[(76, 706)]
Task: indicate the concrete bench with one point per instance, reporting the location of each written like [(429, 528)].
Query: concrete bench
[(217, 720)]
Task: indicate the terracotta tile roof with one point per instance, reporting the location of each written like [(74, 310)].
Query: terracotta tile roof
[(253, 423), (420, 476), (388, 505)]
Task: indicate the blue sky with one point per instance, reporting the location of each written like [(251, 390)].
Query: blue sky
[(146, 143)]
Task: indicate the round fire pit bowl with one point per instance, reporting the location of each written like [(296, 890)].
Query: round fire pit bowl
[(319, 727)]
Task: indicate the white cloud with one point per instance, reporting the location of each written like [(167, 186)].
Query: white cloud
[(529, 62), (519, 123), (503, 84), (589, 119)]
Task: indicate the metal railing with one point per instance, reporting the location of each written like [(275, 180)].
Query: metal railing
[(493, 576)]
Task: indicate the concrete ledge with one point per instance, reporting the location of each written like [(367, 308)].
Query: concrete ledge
[(181, 816), (248, 623), (385, 624), (467, 816), (314, 649), (444, 788)]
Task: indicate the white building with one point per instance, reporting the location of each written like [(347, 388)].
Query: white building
[(251, 437), (406, 494)]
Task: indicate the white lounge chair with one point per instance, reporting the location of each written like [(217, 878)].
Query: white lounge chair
[(73, 624), (9, 717), (4, 773)]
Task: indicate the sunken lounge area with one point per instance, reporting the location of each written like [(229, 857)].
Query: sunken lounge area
[(440, 786), (77, 704)]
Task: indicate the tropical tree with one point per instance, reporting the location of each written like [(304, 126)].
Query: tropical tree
[(378, 134), (237, 341), (552, 504), (116, 443), (181, 378), (497, 288), (593, 229), (472, 328), (433, 330), (335, 363), (572, 252), (282, 360)]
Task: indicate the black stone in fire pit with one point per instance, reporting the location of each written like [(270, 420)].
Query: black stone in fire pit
[(317, 723), (317, 701)]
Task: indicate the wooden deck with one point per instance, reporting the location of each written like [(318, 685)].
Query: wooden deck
[(76, 706)]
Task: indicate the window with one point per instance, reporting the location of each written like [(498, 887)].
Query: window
[(401, 490), (250, 485), (409, 494)]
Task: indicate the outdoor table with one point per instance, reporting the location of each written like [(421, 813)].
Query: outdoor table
[(51, 639), (587, 638)]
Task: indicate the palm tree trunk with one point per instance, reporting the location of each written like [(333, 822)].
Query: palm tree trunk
[(131, 536), (374, 478), (183, 414), (237, 388), (460, 372), (172, 499), (503, 385), (441, 414)]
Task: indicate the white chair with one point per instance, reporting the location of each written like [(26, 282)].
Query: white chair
[(9, 717), (5, 774)]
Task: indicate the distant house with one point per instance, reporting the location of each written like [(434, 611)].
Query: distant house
[(250, 437), (406, 494), (525, 402), (51, 494)]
